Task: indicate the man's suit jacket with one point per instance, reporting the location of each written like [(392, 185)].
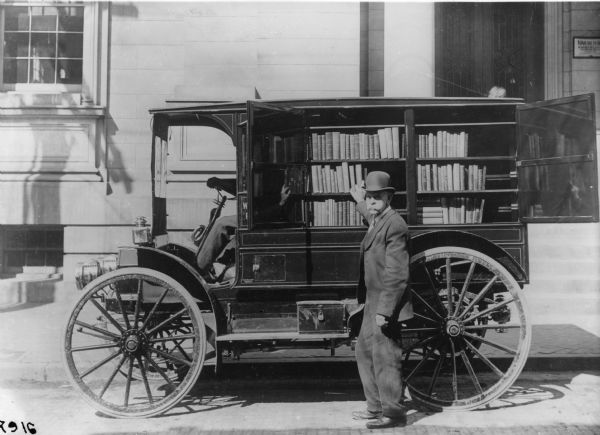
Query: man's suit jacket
[(384, 264)]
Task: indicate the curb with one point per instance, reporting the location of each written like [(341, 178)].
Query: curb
[(249, 372)]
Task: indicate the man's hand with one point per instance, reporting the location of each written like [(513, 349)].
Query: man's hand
[(284, 195), (380, 320), (358, 193)]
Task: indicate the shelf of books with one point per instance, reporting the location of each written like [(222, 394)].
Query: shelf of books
[(465, 173)]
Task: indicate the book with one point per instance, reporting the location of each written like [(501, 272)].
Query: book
[(346, 176), (382, 143), (328, 145), (335, 152), (395, 143)]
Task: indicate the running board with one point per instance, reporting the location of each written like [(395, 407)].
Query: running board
[(293, 336)]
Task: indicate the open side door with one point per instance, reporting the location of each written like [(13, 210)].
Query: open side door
[(276, 156), (557, 160)]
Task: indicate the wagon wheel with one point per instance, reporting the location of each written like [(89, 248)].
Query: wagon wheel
[(153, 330), (470, 336)]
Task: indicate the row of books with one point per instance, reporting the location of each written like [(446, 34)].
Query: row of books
[(335, 213), (279, 149), (452, 211), (385, 144), (443, 144), (450, 177), (336, 179)]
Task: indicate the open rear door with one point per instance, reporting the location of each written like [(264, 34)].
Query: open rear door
[(557, 160), (277, 156)]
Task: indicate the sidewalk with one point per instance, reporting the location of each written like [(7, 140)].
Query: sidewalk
[(31, 335)]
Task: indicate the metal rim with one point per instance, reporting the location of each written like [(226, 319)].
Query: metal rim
[(144, 325), (470, 336)]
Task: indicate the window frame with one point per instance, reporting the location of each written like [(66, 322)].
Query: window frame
[(76, 93)]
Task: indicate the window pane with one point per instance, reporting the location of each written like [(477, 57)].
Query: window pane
[(42, 71), (70, 45), (43, 44), (16, 18), (16, 44), (15, 71), (69, 71), (15, 259), (70, 19), (35, 239), (54, 239), (15, 239), (43, 18), (34, 258)]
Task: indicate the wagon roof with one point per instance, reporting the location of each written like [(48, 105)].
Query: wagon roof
[(215, 107)]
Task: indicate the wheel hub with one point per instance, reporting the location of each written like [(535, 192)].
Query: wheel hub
[(454, 327), (134, 342)]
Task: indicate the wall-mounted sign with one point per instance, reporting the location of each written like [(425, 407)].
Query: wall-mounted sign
[(586, 47)]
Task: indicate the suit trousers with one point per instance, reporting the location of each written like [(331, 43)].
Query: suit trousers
[(379, 360), (216, 241)]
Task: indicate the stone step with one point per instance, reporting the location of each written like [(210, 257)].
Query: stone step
[(39, 270), (564, 229), (15, 291), (542, 268)]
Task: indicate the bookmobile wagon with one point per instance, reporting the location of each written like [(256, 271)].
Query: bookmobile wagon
[(469, 173)]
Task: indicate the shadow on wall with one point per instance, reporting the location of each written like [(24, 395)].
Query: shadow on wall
[(118, 174), (125, 9)]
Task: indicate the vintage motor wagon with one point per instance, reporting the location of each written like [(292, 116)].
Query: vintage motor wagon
[(469, 173)]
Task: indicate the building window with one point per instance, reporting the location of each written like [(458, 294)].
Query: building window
[(43, 45), (30, 246)]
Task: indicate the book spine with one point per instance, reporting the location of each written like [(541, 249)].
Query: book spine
[(396, 142)]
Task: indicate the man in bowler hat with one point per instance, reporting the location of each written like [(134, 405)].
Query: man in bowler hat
[(382, 287)]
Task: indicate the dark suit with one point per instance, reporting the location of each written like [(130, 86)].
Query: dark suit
[(382, 287)]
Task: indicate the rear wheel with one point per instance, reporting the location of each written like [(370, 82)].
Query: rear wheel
[(470, 336), (135, 343)]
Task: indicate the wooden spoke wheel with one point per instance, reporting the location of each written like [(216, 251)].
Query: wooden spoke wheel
[(470, 336), (135, 343)]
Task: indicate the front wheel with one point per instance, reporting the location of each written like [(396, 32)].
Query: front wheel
[(470, 336), (134, 343)]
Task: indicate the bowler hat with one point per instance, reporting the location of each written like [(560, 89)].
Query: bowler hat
[(378, 181)]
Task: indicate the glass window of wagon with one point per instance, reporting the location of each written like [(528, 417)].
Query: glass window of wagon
[(42, 47)]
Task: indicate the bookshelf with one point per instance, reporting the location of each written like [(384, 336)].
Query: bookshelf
[(452, 162)]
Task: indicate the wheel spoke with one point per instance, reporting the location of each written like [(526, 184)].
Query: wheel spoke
[(498, 326), (483, 358), (94, 347), (422, 342), (94, 328), (480, 295), (433, 286), (490, 343), (489, 310), (171, 357), (469, 367), (151, 313), (145, 378), (172, 338), (107, 315), (428, 319), (449, 284), (138, 303), (128, 385), (160, 371), (124, 314), (167, 321), (100, 364), (405, 330), (426, 304), (112, 376), (463, 292), (420, 364), (454, 377), (436, 372)]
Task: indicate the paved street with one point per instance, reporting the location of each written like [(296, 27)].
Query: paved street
[(539, 403)]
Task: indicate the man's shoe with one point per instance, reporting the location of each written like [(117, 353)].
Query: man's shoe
[(385, 422), (365, 415)]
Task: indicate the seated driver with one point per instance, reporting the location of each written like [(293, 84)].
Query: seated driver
[(220, 239)]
